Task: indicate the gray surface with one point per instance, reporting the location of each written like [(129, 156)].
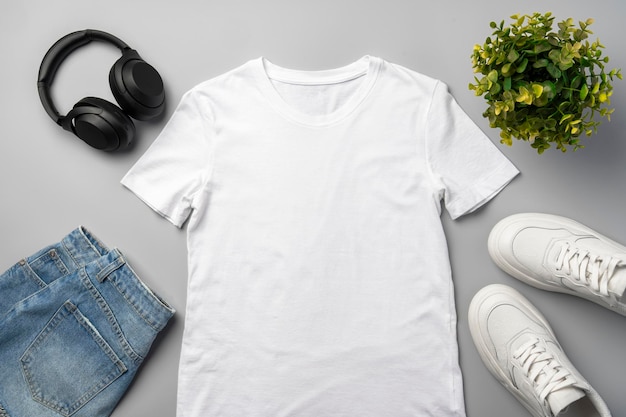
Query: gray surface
[(51, 182)]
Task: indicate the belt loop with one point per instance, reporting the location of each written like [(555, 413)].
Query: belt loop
[(116, 263)]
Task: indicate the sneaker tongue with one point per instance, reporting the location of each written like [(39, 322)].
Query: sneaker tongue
[(617, 284), (559, 400)]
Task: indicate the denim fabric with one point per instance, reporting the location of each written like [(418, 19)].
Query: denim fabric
[(75, 324)]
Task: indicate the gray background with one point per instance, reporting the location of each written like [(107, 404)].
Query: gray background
[(51, 182)]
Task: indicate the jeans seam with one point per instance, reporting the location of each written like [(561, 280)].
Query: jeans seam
[(58, 262), (110, 317), (30, 272), (134, 307), (3, 412), (71, 254), (93, 241)]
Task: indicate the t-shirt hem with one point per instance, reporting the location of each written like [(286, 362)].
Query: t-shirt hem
[(484, 191), (135, 189)]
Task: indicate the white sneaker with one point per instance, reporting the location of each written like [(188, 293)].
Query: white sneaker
[(518, 346), (558, 254)]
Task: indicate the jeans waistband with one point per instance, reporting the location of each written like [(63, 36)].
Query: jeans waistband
[(113, 269), (83, 247)]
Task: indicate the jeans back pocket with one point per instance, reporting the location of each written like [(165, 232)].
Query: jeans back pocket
[(69, 362)]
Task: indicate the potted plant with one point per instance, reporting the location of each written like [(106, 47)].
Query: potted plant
[(543, 86)]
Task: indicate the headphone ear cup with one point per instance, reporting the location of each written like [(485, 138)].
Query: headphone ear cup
[(137, 86), (100, 124)]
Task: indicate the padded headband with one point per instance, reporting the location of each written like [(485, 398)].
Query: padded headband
[(57, 54)]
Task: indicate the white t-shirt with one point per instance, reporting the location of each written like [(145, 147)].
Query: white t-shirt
[(319, 278)]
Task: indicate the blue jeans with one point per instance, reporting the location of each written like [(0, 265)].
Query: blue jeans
[(75, 324)]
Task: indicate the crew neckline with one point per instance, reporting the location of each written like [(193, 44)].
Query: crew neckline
[(367, 67)]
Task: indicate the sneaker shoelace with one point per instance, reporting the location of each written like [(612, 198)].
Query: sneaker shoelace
[(542, 369), (585, 268)]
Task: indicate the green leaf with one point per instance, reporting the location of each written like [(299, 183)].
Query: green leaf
[(507, 69), (512, 56), (540, 101), (555, 56), (541, 63), (565, 118), (553, 70), (542, 47), (563, 106), (584, 91), (524, 96), (507, 83), (577, 81), (549, 89), (492, 76)]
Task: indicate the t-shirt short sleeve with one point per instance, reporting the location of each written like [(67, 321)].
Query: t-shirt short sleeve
[(466, 165), (178, 163)]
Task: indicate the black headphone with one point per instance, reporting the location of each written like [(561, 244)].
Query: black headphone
[(136, 85)]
